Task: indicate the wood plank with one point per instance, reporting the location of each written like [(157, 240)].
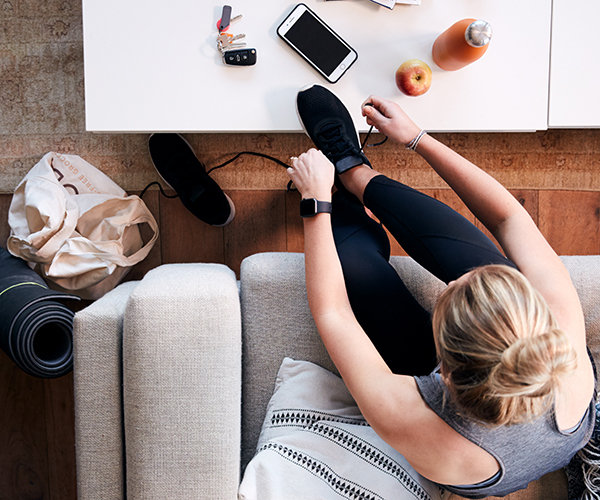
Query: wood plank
[(570, 221), (294, 224), (23, 459), (5, 200), (60, 430), (184, 238), (259, 225)]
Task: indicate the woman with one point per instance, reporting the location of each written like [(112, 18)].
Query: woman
[(513, 398)]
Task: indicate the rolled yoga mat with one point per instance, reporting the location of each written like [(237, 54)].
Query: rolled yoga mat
[(36, 331)]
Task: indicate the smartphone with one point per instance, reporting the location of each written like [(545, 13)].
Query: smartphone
[(317, 43)]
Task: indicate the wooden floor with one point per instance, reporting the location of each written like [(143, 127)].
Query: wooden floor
[(37, 455)]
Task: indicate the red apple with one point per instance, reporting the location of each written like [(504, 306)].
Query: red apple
[(413, 77)]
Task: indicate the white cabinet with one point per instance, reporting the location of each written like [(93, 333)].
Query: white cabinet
[(575, 65)]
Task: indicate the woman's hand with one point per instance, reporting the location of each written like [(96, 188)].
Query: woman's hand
[(313, 174), (389, 119)]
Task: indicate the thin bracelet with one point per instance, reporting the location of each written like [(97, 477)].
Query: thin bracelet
[(412, 145)]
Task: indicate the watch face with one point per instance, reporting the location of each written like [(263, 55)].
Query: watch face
[(308, 207)]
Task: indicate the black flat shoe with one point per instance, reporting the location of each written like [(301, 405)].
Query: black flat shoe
[(176, 163)]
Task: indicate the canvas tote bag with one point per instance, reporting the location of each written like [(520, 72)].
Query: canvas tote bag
[(76, 227)]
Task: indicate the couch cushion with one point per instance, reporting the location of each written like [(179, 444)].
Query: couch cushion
[(181, 383), (276, 322), (316, 444)]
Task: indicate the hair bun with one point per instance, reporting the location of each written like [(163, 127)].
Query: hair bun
[(500, 347), (533, 366)]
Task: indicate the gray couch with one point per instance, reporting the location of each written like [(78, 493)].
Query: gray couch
[(173, 373)]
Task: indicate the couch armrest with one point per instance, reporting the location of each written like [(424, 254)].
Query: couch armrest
[(182, 384), (97, 343)]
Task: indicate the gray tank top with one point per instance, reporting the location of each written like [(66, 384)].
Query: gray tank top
[(525, 452)]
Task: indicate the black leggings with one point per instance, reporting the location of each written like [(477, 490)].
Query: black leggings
[(434, 235)]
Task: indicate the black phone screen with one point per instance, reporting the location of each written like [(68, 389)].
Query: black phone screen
[(317, 43)]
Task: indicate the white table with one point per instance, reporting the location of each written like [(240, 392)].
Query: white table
[(152, 65), (575, 65)]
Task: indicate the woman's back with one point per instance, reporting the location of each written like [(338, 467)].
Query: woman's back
[(524, 452)]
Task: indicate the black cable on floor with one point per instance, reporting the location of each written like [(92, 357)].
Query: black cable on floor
[(252, 153), (261, 155), (161, 190)]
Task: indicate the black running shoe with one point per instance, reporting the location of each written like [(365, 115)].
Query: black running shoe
[(176, 162), (328, 123)]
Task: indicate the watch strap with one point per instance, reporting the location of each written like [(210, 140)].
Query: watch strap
[(309, 207)]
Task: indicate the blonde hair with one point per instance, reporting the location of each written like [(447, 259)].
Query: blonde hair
[(500, 348)]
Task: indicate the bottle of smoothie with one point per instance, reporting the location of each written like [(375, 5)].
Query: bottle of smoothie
[(462, 43)]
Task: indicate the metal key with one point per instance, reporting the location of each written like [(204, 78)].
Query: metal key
[(224, 47), (223, 38), (226, 39), (233, 46)]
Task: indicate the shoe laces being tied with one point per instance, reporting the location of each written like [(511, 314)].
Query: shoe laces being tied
[(335, 141)]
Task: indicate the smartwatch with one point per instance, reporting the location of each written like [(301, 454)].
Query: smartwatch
[(309, 207)]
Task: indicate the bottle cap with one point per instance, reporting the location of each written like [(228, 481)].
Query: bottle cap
[(478, 33)]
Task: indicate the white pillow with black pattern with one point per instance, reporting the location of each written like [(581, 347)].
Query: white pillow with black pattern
[(315, 444)]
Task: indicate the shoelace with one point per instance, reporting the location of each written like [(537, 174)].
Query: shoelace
[(362, 147), (336, 142), (253, 153)]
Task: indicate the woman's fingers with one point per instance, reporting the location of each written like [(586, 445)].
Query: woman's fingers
[(312, 173), (378, 104)]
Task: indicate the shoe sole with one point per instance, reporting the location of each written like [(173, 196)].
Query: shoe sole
[(306, 87), (231, 205)]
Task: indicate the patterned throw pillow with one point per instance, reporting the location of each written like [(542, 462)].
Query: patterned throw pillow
[(315, 444)]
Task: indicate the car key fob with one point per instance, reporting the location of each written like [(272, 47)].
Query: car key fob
[(240, 57)]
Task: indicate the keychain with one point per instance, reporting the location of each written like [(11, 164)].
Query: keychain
[(234, 54)]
